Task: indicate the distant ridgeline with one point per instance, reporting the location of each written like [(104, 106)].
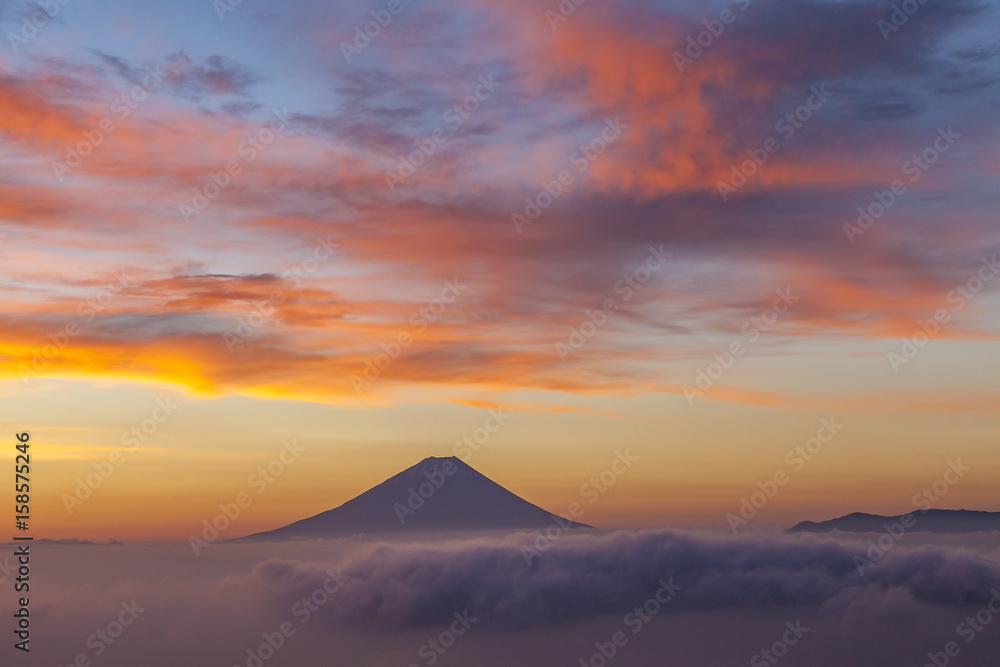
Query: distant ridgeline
[(927, 521)]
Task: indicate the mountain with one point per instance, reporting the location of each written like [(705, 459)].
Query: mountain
[(437, 494), (924, 521), (66, 542)]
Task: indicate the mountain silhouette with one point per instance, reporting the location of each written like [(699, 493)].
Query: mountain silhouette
[(437, 494), (924, 521)]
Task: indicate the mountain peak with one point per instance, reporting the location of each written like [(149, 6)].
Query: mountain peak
[(439, 460), (438, 493)]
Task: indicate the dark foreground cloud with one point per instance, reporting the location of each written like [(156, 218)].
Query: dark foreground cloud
[(516, 585)]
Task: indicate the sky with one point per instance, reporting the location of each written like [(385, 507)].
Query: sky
[(705, 234)]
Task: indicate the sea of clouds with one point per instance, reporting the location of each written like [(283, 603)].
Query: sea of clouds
[(650, 597)]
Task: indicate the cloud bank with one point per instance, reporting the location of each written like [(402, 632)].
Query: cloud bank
[(382, 603)]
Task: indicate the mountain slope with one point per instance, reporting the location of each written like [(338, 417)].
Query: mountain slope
[(926, 521), (437, 494)]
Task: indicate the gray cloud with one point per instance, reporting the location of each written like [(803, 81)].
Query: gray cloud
[(582, 577)]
